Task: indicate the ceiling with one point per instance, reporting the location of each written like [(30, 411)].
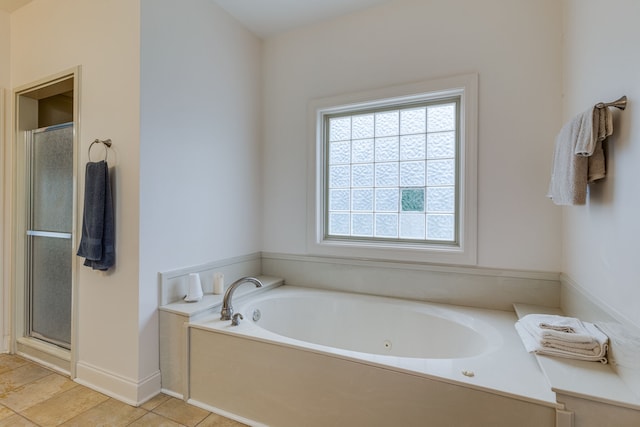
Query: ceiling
[(11, 5), (268, 17)]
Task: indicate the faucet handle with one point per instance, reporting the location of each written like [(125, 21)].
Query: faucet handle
[(235, 321)]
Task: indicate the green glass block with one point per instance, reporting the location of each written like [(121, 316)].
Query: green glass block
[(412, 200)]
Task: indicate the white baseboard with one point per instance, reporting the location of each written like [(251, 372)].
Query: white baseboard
[(113, 385)]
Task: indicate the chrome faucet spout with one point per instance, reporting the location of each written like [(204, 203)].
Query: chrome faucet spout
[(227, 308)]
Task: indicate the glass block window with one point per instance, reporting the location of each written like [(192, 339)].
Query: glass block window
[(391, 173)]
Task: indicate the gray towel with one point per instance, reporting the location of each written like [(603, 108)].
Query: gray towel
[(97, 244), (579, 157)]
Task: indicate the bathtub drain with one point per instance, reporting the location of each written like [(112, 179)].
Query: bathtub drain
[(387, 344), (256, 315)]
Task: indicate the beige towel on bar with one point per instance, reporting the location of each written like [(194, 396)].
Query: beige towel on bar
[(579, 157)]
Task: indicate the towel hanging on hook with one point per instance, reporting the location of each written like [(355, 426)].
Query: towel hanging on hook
[(106, 142)]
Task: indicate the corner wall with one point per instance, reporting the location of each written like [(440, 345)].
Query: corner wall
[(103, 39), (5, 84), (200, 197), (601, 239), (516, 49)]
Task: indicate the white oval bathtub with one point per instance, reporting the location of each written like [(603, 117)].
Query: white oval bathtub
[(335, 356), (370, 324)]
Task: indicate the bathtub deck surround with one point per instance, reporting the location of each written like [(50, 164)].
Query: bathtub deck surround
[(491, 288), (173, 340), (591, 391), (359, 387)]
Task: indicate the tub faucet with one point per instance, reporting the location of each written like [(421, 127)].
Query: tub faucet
[(227, 309)]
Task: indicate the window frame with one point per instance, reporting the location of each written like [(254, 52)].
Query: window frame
[(464, 87)]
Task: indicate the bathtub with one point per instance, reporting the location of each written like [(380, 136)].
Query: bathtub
[(308, 357)]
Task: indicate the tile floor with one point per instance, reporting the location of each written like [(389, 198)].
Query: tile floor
[(31, 395)]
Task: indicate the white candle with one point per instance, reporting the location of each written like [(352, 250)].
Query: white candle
[(218, 283)]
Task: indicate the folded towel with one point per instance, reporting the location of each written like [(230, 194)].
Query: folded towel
[(578, 156), (538, 326), (587, 343), (532, 345), (554, 322), (97, 244)]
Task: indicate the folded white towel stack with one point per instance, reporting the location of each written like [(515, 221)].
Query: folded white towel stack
[(562, 336)]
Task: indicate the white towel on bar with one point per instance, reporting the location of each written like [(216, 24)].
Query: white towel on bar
[(578, 156)]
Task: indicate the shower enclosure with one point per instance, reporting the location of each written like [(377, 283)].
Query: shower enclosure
[(49, 226)]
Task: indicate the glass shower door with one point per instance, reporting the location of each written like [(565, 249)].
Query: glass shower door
[(49, 231)]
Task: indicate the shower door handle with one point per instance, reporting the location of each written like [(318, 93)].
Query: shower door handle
[(53, 234)]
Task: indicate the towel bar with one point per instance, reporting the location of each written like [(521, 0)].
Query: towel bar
[(106, 142), (620, 103)]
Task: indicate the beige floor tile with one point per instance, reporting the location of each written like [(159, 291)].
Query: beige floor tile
[(35, 392), (215, 420), (64, 406), (9, 362), (155, 402), (154, 420), (16, 421), (181, 412), (21, 375), (5, 412), (110, 413)]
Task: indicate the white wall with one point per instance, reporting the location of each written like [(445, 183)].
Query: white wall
[(601, 238), (5, 37), (516, 49), (5, 83), (102, 37), (200, 145)]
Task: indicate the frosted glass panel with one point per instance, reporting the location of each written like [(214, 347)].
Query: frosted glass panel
[(52, 180), (392, 172), (387, 124), (362, 151), (440, 199), (441, 145), (340, 129), (412, 200), (441, 172), (412, 226), (386, 174), (386, 225), (339, 176), (413, 121), (339, 200), (50, 161), (362, 127), (362, 224), (362, 200), (387, 149), (412, 147), (441, 118), (440, 227), (387, 199), (51, 288), (340, 152), (362, 175), (412, 174), (339, 224)]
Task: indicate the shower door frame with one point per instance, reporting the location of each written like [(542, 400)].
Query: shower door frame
[(32, 234), (25, 118)]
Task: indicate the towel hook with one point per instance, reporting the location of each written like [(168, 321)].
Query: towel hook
[(106, 142), (620, 103)]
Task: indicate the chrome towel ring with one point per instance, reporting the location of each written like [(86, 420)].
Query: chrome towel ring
[(106, 142)]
